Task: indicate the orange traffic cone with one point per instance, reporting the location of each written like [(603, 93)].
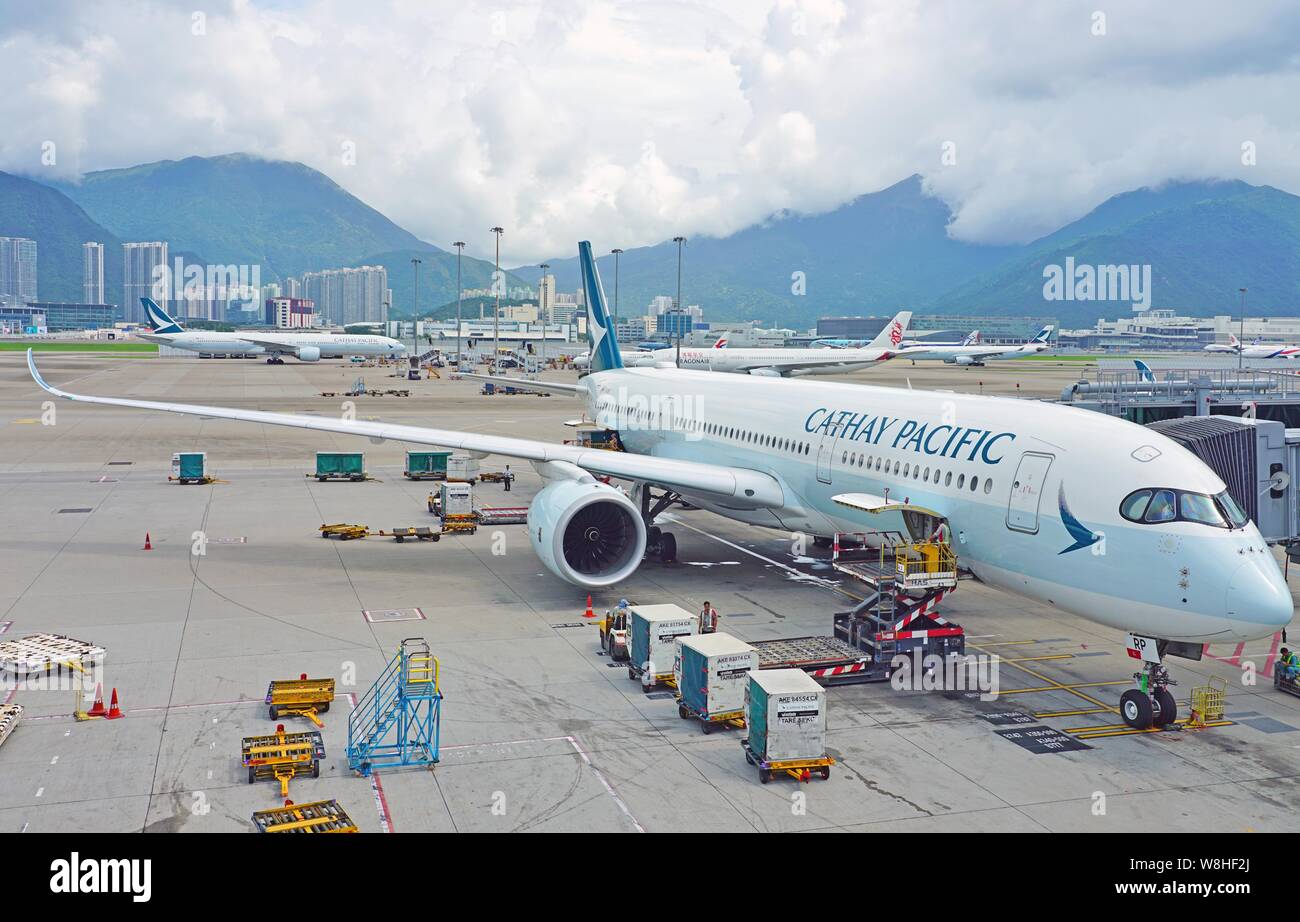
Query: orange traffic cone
[(589, 613), (114, 712), (148, 545), (97, 709)]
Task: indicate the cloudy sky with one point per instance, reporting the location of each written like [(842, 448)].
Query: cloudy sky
[(628, 122)]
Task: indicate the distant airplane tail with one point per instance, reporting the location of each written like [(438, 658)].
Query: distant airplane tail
[(891, 337), (721, 343), (601, 336), (972, 339), (159, 321), (1044, 335), (1144, 371), (1233, 341)]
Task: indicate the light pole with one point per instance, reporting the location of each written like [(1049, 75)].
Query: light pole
[(541, 305), (415, 313), (460, 249), (496, 315), (617, 252), (677, 304), (1241, 340)]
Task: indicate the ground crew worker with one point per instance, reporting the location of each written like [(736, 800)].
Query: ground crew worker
[(1288, 662), (708, 619), (509, 477), (431, 506), (940, 535)]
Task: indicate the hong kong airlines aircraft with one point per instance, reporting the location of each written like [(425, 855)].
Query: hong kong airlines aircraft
[(1075, 509)]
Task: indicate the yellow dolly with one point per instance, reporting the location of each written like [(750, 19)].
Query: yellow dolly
[(460, 523), (344, 532), (317, 816), (300, 697), (283, 756), (798, 769)]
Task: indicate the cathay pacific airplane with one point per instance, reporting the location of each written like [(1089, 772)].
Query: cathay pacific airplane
[(1074, 509), (977, 353), (308, 346)]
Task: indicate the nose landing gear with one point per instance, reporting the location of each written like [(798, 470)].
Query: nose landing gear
[(1151, 704)]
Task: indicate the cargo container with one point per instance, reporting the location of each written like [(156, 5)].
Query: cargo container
[(456, 498), (462, 467), (712, 671), (190, 466), (426, 465), (340, 465), (785, 711), (654, 633)]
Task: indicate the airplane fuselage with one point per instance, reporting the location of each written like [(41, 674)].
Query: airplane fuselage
[(1032, 491), (340, 345)]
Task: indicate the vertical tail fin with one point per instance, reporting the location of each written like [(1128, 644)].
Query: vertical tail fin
[(1144, 370), (891, 337), (600, 334), (972, 338), (158, 319), (1044, 335)]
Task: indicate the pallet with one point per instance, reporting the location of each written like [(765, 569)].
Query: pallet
[(10, 714), (43, 652)]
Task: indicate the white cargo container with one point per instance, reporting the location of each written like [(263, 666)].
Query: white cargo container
[(785, 712), (654, 630), (712, 671), (462, 467), (457, 498)]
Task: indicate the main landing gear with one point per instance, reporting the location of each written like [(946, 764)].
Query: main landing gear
[(1151, 704), (275, 360), (658, 543)]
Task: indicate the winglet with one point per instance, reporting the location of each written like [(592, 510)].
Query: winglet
[(36, 376)]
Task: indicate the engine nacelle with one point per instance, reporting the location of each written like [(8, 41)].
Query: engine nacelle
[(587, 533), (309, 354), (767, 373), (965, 360)]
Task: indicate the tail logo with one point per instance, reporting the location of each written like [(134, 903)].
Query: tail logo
[(895, 332)]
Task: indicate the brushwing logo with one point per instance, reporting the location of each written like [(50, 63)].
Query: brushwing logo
[(1083, 535)]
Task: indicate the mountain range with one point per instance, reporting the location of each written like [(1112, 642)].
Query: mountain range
[(891, 250), (881, 252)]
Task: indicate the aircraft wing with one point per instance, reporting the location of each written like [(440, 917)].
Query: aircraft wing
[(527, 384), (745, 488), (269, 345)]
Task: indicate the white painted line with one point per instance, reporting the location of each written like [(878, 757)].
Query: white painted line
[(40, 791), (799, 574)]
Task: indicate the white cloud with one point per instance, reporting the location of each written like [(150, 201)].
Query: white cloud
[(631, 121)]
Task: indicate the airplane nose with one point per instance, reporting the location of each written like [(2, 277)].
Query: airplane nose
[(1258, 594)]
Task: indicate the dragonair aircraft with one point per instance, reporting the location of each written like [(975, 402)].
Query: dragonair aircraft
[(977, 353), (790, 363), (307, 346), (1072, 508), (641, 358)]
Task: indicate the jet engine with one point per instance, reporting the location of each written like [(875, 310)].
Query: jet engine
[(966, 360), (587, 533), (309, 354)]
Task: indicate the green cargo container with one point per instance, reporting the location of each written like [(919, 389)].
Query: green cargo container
[(427, 465), (190, 466), (340, 465)]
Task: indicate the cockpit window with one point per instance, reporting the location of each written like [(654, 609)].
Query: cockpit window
[(1155, 505), (1162, 508), (1197, 507), (1135, 504), (1231, 510)]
